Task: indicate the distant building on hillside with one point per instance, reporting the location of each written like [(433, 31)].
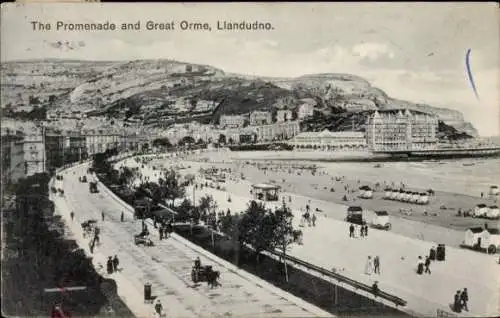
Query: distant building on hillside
[(34, 151), (258, 118), (276, 131), (231, 121), (401, 130), (305, 110), (283, 115)]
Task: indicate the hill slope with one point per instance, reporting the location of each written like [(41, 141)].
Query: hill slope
[(159, 92)]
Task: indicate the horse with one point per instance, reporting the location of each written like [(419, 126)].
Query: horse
[(213, 278)]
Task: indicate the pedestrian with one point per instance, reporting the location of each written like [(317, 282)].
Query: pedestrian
[(122, 217), (432, 254), (161, 231), (427, 264), (366, 230), (102, 216), (116, 262), (369, 266), (456, 302), (314, 219), (351, 230), (376, 265), (420, 266), (375, 288), (464, 298), (72, 214), (362, 231), (109, 265), (158, 308)]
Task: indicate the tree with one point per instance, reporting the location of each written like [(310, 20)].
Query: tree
[(256, 228), (162, 142), (184, 211), (127, 177), (283, 232), (207, 204), (170, 186)]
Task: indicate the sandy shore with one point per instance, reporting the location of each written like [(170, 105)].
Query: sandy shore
[(319, 187)]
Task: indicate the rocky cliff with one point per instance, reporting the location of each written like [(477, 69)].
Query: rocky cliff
[(158, 92)]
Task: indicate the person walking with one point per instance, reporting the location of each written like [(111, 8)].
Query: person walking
[(116, 262), (102, 215), (314, 219), (456, 303), (427, 264), (376, 265), (351, 230), (420, 266), (109, 265), (369, 266), (362, 231), (122, 217), (72, 214), (366, 230), (464, 298)]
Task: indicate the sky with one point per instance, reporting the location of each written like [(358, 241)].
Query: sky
[(412, 51)]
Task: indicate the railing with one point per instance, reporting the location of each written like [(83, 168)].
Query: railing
[(343, 279)]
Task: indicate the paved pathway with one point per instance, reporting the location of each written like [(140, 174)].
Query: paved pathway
[(167, 266)]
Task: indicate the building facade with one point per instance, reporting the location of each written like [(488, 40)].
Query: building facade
[(305, 110), (283, 115), (258, 118), (277, 131), (13, 164), (328, 140), (401, 130), (34, 151), (231, 121)]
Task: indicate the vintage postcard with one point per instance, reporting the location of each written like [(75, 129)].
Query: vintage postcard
[(250, 160)]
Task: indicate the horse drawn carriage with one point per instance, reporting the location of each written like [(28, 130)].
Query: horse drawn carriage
[(205, 274), (83, 179), (143, 239), (89, 227)]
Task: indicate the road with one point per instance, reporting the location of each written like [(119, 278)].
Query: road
[(167, 265)]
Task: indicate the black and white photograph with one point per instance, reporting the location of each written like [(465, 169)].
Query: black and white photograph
[(309, 159)]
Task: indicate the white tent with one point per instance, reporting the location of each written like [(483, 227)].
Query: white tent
[(472, 235), (494, 190), (490, 240), (493, 212), (480, 210), (424, 198)]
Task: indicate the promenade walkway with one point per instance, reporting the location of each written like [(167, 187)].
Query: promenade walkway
[(167, 265)]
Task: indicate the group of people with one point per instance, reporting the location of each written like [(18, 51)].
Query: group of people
[(460, 300), (307, 218), (112, 264), (363, 230), (424, 266), (372, 265)]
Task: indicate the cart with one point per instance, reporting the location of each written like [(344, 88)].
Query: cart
[(143, 239), (381, 220), (204, 274)]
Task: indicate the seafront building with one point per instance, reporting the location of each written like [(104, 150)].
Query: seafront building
[(258, 118), (231, 121), (401, 130), (327, 140), (13, 164)]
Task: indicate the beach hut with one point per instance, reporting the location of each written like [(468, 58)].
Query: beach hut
[(381, 220), (400, 195), (493, 212), (472, 236), (480, 210), (388, 193), (424, 198), (490, 240), (407, 196), (365, 192), (494, 190), (266, 192), (415, 196)]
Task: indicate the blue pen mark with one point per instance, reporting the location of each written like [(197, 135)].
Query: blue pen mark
[(469, 73)]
